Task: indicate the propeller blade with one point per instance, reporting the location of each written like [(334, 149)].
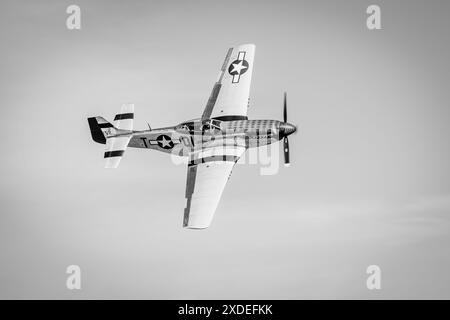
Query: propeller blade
[(285, 108), (286, 151)]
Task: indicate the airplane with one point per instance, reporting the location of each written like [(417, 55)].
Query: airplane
[(212, 143)]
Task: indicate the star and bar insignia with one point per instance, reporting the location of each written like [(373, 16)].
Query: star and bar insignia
[(238, 67), (164, 141)]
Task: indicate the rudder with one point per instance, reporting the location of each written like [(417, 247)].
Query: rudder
[(101, 129)]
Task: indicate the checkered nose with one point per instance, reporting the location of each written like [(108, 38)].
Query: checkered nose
[(286, 129)]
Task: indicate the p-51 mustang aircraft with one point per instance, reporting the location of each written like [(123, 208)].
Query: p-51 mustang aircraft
[(212, 143)]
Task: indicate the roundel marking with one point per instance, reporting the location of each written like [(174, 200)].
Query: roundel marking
[(238, 67), (164, 142)]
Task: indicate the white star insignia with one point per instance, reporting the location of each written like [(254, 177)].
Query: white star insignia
[(165, 143), (237, 67)]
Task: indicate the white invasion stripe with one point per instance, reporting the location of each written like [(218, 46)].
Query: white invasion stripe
[(125, 124), (218, 151)]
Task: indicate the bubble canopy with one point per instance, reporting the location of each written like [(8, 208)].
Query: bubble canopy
[(199, 125)]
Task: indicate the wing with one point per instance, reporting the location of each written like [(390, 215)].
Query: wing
[(207, 175), (230, 94)]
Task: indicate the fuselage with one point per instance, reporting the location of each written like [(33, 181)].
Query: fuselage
[(182, 139)]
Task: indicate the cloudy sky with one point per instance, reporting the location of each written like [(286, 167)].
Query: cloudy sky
[(370, 178)]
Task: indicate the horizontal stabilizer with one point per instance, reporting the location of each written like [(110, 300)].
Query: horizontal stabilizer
[(116, 145), (124, 119), (115, 148)]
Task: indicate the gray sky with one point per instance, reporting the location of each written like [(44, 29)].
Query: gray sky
[(369, 183)]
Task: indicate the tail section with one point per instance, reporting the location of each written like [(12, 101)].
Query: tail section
[(115, 137)]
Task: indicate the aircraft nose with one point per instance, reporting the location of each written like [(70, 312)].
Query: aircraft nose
[(287, 129)]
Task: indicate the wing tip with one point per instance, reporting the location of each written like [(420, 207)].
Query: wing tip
[(252, 45), (196, 227)]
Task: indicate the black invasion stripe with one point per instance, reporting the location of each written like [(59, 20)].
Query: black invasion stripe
[(227, 58), (216, 89), (231, 118), (116, 153), (123, 116), (105, 125), (257, 135), (190, 181), (211, 101), (190, 185), (214, 158)]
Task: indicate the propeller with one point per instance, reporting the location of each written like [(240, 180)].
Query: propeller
[(286, 152), (285, 139), (286, 129)]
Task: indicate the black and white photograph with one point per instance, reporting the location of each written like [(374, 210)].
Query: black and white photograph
[(225, 151)]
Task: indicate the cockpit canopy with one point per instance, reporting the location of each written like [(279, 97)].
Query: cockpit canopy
[(199, 125)]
